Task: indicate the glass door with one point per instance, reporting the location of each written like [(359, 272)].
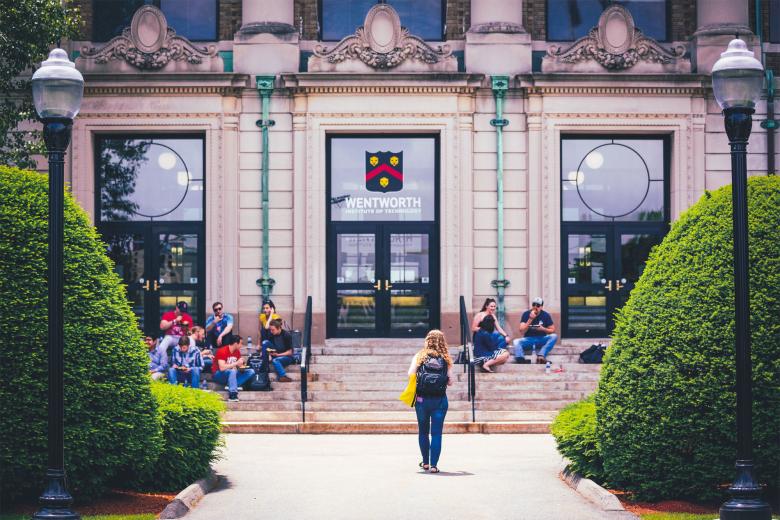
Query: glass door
[(633, 244), (409, 291), (356, 282)]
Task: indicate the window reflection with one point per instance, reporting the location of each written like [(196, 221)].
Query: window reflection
[(612, 179), (355, 258), (569, 20), (409, 258), (193, 19), (586, 258), (341, 18), (150, 179), (178, 262)]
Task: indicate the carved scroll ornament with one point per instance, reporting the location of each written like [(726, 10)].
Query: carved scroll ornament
[(149, 44), (381, 44), (616, 45)]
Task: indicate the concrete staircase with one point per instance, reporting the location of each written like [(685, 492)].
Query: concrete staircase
[(354, 387)]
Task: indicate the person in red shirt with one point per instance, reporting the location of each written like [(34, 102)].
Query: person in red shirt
[(226, 367), (174, 324)]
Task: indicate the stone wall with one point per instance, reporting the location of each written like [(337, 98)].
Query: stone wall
[(229, 18)]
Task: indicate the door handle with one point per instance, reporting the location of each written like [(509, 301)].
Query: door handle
[(619, 285), (608, 286), (156, 285), (146, 285), (378, 285), (387, 285)]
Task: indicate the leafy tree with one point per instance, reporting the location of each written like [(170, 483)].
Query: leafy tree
[(28, 29)]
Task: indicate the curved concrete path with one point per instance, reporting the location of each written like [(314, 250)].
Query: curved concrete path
[(375, 477)]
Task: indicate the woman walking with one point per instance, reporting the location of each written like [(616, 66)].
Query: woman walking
[(432, 365)]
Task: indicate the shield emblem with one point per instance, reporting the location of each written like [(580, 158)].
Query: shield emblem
[(384, 171)]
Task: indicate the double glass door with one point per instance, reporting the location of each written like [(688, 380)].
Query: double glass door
[(381, 280), (160, 264), (601, 263)]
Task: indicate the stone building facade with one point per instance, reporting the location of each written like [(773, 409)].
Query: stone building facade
[(382, 151)]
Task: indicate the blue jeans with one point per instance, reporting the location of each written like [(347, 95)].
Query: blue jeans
[(528, 342), (173, 376), (233, 378), (281, 362), (430, 420)]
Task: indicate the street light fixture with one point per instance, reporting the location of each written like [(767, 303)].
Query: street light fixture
[(737, 81), (57, 91)]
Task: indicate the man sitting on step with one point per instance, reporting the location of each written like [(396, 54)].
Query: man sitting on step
[(227, 367), (279, 347), (539, 329)]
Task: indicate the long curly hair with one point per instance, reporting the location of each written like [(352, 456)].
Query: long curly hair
[(435, 346)]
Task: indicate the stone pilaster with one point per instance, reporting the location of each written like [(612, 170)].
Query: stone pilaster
[(497, 42), (719, 22), (267, 42)]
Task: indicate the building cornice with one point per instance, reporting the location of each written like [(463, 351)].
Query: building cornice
[(612, 85), (161, 84), (383, 83)]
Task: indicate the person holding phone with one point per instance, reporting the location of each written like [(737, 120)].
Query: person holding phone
[(279, 347), (539, 330), (218, 325)]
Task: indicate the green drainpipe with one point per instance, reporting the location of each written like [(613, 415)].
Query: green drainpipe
[(500, 84), (265, 87)]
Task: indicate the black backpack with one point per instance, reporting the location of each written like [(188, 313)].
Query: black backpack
[(593, 354), (260, 382), (432, 378)]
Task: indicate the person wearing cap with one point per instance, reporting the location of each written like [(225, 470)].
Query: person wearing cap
[(174, 324), (539, 330)]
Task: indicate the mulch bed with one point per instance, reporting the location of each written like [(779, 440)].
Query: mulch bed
[(665, 506), (115, 502)]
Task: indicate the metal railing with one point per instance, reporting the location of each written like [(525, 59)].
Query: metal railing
[(305, 358), (468, 358)]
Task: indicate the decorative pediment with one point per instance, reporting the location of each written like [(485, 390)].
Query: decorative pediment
[(382, 44), (149, 45), (617, 46)]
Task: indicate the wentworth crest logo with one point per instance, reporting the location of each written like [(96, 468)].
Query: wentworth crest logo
[(384, 171)]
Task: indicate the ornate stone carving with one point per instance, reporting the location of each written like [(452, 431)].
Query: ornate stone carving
[(382, 44), (150, 45), (617, 46)]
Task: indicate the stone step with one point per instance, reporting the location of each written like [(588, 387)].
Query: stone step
[(483, 385), (366, 428), (523, 399), (383, 416), (355, 350), (319, 360), (401, 368), (396, 405), (360, 377)]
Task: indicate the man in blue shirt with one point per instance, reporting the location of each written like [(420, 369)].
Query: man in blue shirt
[(186, 362), (218, 325), (539, 329)]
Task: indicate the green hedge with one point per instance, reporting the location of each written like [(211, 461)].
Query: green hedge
[(190, 421), (666, 399), (574, 429), (110, 416)]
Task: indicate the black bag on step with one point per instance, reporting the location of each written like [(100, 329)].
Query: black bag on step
[(432, 378), (260, 382), (594, 354)]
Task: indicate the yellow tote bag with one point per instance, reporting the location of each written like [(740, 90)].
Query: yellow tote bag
[(407, 396)]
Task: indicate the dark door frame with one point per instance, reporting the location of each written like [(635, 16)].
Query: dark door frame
[(150, 230), (382, 231), (612, 228)]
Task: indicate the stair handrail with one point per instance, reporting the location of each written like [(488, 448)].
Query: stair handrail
[(468, 357), (305, 358)]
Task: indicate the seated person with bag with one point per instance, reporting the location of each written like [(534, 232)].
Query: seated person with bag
[(279, 347), (489, 348), (227, 367), (186, 362)]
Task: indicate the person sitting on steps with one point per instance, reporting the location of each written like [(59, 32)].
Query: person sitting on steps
[(489, 308), (279, 347), (266, 317), (227, 367), (489, 349), (186, 363), (539, 329)]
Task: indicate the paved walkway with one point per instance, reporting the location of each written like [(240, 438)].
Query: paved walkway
[(376, 477)]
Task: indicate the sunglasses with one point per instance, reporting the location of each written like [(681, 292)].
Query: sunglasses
[(535, 305), (218, 309)]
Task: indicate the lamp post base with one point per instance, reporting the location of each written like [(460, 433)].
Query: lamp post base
[(745, 509), (55, 501)]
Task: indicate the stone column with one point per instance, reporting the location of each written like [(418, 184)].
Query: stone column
[(719, 21), (267, 42), (497, 42)]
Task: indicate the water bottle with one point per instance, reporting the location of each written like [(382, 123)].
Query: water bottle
[(249, 346), (533, 355), (547, 367)]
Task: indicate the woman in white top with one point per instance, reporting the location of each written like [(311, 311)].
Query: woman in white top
[(432, 365)]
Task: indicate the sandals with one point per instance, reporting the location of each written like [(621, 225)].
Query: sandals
[(486, 369), (424, 466), (434, 469)]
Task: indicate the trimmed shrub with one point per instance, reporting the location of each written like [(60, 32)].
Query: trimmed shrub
[(574, 429), (666, 402), (191, 430), (111, 425)]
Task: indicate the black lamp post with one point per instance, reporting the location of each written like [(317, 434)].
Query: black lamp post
[(57, 90), (737, 81)]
